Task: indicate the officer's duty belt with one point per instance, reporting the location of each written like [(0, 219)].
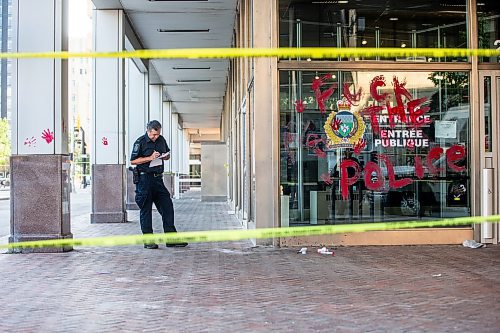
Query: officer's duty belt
[(152, 174)]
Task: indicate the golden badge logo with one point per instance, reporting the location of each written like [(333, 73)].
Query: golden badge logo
[(344, 128)]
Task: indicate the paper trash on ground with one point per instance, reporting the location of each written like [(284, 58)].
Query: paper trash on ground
[(472, 244)]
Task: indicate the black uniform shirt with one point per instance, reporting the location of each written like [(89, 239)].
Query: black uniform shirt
[(144, 147)]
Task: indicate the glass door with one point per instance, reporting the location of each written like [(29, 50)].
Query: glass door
[(489, 108)]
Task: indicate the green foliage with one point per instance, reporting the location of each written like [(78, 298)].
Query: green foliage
[(4, 142)]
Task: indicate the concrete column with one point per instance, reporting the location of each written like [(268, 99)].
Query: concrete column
[(108, 160), (174, 145), (40, 163), (155, 103), (137, 111), (186, 151), (180, 151), (266, 109), (166, 131)]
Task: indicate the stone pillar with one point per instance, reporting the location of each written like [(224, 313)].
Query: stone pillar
[(108, 159), (137, 111), (40, 163), (266, 108)]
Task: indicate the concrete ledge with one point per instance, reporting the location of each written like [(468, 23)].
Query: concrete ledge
[(428, 236), (24, 238), (117, 217)]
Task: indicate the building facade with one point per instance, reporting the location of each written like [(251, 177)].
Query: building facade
[(359, 140), (330, 141)]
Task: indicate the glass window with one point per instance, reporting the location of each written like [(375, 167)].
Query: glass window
[(488, 14), (412, 23), (374, 146)]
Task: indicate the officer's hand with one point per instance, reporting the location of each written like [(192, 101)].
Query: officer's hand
[(154, 155)]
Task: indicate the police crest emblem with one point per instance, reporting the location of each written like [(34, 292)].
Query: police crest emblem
[(344, 128)]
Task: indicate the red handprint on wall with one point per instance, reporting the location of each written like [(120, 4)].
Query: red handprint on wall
[(30, 142), (336, 124), (47, 135), (359, 146), (299, 106), (327, 179), (353, 98), (104, 141)]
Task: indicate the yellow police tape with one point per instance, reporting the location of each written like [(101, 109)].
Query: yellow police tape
[(235, 235), (283, 53)]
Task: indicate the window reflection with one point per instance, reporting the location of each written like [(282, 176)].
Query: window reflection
[(405, 24), (488, 14)]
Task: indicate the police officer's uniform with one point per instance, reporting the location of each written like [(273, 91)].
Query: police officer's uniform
[(150, 187)]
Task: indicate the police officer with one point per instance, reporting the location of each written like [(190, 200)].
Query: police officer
[(152, 146)]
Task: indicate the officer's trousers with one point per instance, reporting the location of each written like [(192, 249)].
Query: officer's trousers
[(151, 189)]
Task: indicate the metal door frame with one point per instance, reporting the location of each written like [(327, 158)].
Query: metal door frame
[(490, 160)]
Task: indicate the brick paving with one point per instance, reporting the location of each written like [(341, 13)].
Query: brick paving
[(234, 287)]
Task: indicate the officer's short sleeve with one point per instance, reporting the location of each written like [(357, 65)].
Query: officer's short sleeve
[(136, 149)]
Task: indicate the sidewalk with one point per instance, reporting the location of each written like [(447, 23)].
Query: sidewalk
[(234, 287)]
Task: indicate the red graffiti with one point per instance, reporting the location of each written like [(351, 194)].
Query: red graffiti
[(419, 167), (400, 91), (417, 112), (378, 81), (104, 141), (374, 178), (320, 152), (313, 140), (345, 180), (433, 155), (396, 114), (372, 112), (30, 142), (456, 154), (336, 124), (47, 135), (326, 178), (352, 98), (359, 146), (411, 113), (322, 96), (299, 106)]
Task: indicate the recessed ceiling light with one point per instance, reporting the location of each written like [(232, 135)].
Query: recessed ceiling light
[(191, 68), (183, 30), (194, 81), (393, 19)]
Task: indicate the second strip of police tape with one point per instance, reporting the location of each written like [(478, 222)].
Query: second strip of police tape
[(236, 235)]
